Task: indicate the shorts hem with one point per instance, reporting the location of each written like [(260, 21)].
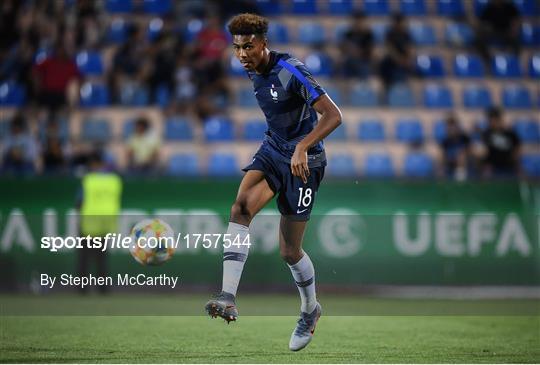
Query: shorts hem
[(266, 177)]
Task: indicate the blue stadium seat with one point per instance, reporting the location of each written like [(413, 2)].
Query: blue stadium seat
[(304, 7), (178, 129), (339, 31), (401, 96), (418, 164), (341, 165), (530, 34), (254, 130), (378, 165), (528, 130), (192, 29), (412, 7), (451, 8), (96, 130), (158, 7), (466, 65), (4, 128), (534, 66), (379, 31), (163, 96), (117, 31), (334, 93), (155, 27), (458, 34), (376, 7), (223, 165), (246, 98), (134, 95), (479, 6), (528, 7), (128, 128), (278, 33), (12, 94), (319, 64), (439, 131), (41, 54), (530, 163), (340, 7), (339, 134), (422, 34), (94, 95), (183, 164), (236, 68), (429, 65), (506, 66), (118, 6), (218, 129), (89, 63), (438, 96), (516, 97), (476, 97), (269, 7), (363, 95), (409, 131), (371, 131), (311, 33)]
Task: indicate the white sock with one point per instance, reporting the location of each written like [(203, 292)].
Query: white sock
[(304, 276), (234, 257)]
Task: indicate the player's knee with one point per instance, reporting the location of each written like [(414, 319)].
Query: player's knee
[(240, 212), (290, 255)]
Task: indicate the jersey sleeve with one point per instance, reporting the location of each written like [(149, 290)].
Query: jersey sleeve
[(302, 82)]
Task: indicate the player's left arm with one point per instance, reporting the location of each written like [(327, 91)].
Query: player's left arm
[(330, 119)]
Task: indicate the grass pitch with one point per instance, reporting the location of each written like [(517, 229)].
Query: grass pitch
[(262, 338)]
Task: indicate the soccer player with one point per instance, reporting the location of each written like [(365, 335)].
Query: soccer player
[(289, 164)]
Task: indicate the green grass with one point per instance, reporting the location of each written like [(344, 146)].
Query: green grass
[(261, 339)]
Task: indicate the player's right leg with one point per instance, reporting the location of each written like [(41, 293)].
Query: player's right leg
[(253, 194)]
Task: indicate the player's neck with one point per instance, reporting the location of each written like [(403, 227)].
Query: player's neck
[(261, 67)]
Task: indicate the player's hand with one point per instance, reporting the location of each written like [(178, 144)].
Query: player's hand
[(299, 163)]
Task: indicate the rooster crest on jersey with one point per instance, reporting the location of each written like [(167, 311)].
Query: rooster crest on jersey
[(274, 94)]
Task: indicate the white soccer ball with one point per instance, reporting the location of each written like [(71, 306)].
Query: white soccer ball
[(152, 242)]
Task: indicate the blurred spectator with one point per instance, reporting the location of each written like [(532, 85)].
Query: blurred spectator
[(20, 149), (87, 33), (357, 47), (186, 88), (164, 51), (17, 64), (502, 145), (499, 22), (9, 16), (52, 77), (396, 64), (143, 148), (129, 62), (456, 150), (53, 147), (212, 85)]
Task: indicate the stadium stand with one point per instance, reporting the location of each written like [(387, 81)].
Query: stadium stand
[(208, 107)]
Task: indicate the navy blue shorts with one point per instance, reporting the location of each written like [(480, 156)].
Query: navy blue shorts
[(294, 198)]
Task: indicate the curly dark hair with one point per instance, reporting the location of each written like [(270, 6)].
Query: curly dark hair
[(247, 24)]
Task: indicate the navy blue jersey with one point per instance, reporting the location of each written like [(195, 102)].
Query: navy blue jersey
[(286, 92)]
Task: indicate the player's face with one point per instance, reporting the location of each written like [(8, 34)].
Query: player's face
[(249, 49)]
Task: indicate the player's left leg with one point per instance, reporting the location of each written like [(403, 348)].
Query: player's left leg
[(291, 234)]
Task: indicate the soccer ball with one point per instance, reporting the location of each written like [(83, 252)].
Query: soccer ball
[(152, 242)]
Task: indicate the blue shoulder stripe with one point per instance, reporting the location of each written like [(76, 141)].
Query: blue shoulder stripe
[(299, 76)]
